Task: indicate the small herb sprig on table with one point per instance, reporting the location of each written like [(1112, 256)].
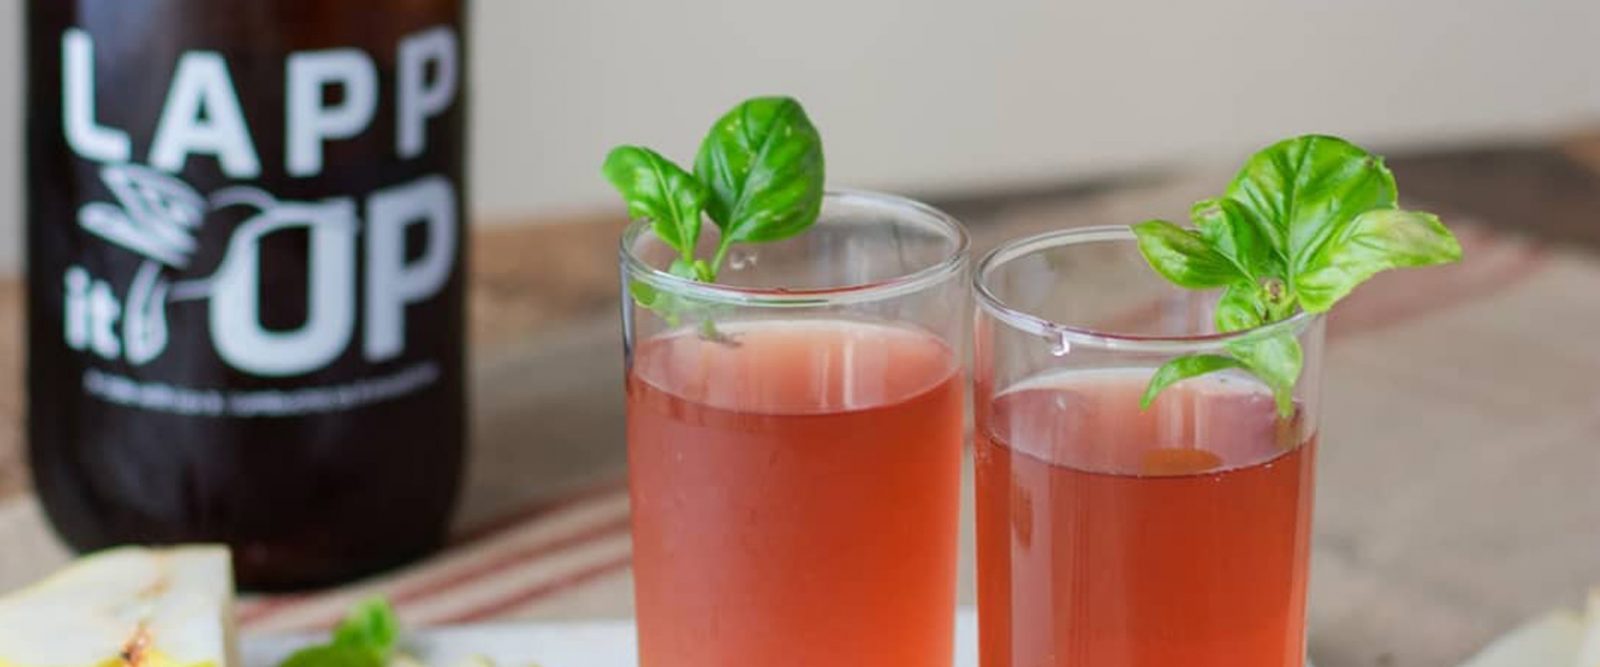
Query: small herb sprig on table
[(1304, 222), (367, 637), (759, 175)]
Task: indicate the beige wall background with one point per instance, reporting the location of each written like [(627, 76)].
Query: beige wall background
[(963, 95)]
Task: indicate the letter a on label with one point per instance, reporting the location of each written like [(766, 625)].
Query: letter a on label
[(201, 87)]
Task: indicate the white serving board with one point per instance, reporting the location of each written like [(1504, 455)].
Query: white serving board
[(577, 644)]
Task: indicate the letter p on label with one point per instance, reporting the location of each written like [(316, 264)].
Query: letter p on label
[(310, 122), (392, 283), (422, 98)]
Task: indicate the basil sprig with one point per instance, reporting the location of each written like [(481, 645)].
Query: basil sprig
[(367, 637), (1304, 222), (759, 176)]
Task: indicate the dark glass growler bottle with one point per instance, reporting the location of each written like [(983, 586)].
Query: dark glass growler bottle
[(245, 258)]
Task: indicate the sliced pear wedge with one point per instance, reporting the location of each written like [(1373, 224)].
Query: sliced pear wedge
[(127, 607), (1548, 641), (1589, 651)]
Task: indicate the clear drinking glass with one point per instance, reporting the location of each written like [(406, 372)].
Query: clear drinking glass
[(794, 442), (1111, 536)]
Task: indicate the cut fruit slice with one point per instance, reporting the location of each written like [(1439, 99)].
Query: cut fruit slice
[(1589, 651), (1549, 641), (130, 607)]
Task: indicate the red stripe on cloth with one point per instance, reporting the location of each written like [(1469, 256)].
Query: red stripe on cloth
[(253, 612), (511, 559), (532, 594), (522, 515), (453, 580)]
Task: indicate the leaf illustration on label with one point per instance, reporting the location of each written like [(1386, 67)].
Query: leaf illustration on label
[(155, 214), (144, 325)]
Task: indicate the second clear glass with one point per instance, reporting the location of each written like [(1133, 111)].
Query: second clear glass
[(1110, 535)]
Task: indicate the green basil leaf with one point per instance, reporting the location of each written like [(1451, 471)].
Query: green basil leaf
[(684, 268), (1244, 239), (763, 163), (371, 624), (1181, 256), (1240, 308), (703, 271), (1276, 359), (659, 191), (1306, 188), (1183, 368), (1375, 241), (665, 304), (334, 655), (1304, 221), (365, 638), (643, 293)]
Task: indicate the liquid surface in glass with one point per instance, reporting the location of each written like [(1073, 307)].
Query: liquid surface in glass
[(1110, 536)]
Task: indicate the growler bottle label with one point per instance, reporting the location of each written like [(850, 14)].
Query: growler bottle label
[(245, 264), (149, 211)]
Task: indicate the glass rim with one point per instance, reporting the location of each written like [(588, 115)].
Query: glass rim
[(950, 264), (1017, 318)]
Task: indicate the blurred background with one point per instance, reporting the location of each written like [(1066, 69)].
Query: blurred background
[(1459, 488), (957, 97), (967, 97)]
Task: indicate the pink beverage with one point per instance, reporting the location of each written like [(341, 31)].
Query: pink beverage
[(1114, 537), (795, 490)]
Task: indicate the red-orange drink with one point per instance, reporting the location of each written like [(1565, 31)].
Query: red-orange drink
[(1114, 537), (795, 495)]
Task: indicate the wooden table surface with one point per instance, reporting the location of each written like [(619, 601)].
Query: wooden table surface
[(1459, 486)]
